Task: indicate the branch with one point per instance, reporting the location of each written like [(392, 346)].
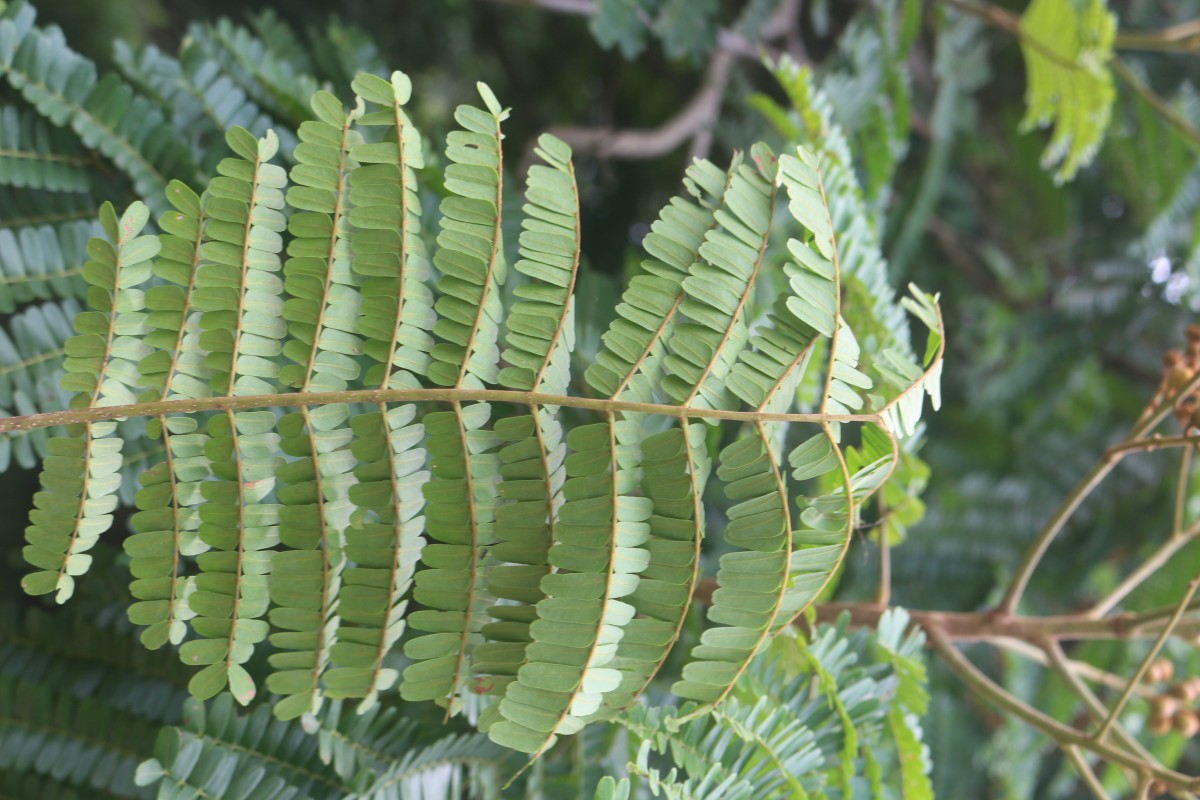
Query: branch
[(1085, 772), (989, 625), (1069, 671), (1172, 117), (1061, 734), (1090, 481), (697, 116), (1147, 568), (1181, 38), (1136, 680), (692, 122)]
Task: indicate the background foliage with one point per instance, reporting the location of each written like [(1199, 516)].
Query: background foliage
[(1061, 289)]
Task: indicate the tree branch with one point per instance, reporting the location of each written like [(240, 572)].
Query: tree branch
[(988, 625), (698, 115), (1111, 457), (1062, 734), (692, 122)]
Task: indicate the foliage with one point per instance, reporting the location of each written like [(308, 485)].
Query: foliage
[(1067, 46)]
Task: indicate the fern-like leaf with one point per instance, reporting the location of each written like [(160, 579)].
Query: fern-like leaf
[(1066, 45), (80, 478)]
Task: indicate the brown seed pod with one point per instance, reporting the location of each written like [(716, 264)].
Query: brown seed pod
[(1157, 724), (1186, 722), (1163, 706), (1161, 670), (1180, 691), (1192, 332), (1178, 377)]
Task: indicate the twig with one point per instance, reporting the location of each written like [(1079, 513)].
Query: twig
[(999, 697), (692, 122), (988, 625), (1172, 117), (1184, 37), (1029, 562), (883, 594), (1067, 670), (1044, 653), (1136, 680), (698, 115), (1085, 772), (1147, 568)]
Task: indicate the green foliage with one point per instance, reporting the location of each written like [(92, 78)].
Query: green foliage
[(553, 624), (1067, 46)]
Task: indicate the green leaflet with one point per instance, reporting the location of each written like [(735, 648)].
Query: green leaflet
[(31, 356), (397, 305), (167, 520), (266, 75), (373, 756), (1067, 46), (204, 98), (815, 283), (675, 467), (752, 580), (717, 288), (69, 741), (232, 590), (38, 262), (598, 554), (541, 336), (541, 325), (238, 292), (563, 553), (532, 473), (384, 546), (460, 511), (470, 256), (635, 341), (238, 288), (322, 315), (395, 315), (80, 477)]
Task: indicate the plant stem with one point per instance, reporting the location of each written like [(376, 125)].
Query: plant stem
[(988, 625), (1136, 680), (1172, 117), (1062, 734), (1108, 461), (376, 396), (1085, 772), (1069, 670), (1147, 568)]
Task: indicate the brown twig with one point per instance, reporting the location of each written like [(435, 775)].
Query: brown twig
[(1161, 106), (1181, 38), (694, 121), (1064, 735), (696, 116), (988, 625)]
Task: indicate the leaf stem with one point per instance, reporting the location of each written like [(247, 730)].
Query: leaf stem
[(376, 396)]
